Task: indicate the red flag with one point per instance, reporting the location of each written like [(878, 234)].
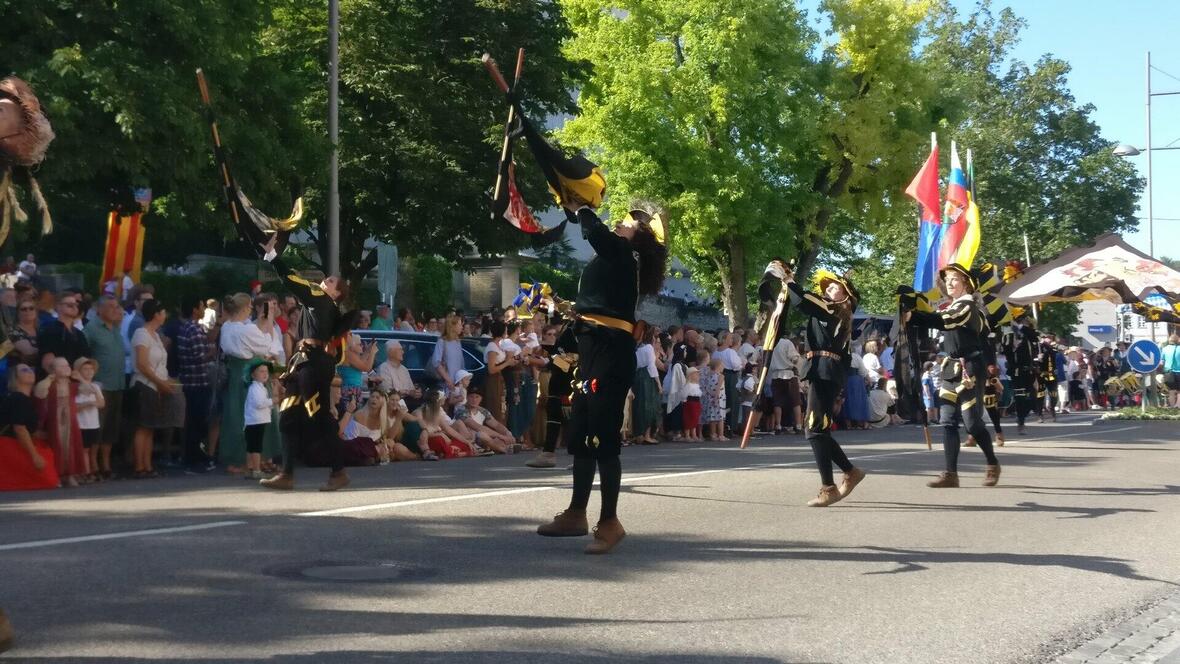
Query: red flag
[(924, 188)]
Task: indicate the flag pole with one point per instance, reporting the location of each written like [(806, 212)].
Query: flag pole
[(1028, 264), (494, 71), (770, 338)]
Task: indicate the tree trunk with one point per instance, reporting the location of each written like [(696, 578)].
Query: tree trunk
[(733, 282)]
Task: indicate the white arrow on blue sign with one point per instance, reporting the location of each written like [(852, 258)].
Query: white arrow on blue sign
[(1144, 356)]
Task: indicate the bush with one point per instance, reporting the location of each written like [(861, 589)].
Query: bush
[(432, 285), (1137, 413)]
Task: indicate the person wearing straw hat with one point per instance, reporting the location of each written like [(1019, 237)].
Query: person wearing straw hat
[(961, 395), (825, 367)]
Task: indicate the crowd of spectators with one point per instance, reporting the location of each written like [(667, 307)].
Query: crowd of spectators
[(112, 387)]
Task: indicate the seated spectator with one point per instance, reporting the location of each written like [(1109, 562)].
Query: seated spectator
[(58, 418), (879, 404), (26, 463), (362, 430), (443, 438), (410, 439), (488, 432), (394, 375)]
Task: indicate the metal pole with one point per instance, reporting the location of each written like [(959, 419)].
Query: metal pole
[(1150, 215), (333, 264), (1028, 264)]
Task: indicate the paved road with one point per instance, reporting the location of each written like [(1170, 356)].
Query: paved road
[(723, 564)]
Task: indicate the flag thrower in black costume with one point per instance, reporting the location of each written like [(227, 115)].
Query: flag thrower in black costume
[(571, 178), (627, 263), (772, 314), (964, 371), (25, 135), (828, 359), (253, 226)]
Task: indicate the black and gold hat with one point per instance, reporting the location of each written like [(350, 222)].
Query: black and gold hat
[(972, 279), (825, 277)]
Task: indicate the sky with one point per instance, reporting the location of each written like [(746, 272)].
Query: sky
[(1106, 43)]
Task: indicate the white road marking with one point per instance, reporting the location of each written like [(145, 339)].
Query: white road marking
[(425, 501), (110, 536)]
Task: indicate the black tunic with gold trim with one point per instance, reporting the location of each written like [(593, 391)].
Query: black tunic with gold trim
[(608, 292)]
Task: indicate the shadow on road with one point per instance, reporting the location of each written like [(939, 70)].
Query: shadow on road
[(441, 657)]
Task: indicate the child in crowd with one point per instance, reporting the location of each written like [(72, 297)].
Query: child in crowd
[(692, 405), (747, 385), (56, 406), (712, 400), (258, 414), (89, 401), (457, 395), (1077, 393), (929, 393)]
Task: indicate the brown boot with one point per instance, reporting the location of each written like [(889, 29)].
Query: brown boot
[(336, 481), (570, 523), (970, 442), (280, 482), (992, 476), (851, 479), (607, 534), (946, 480), (999, 440), (828, 495), (6, 633)]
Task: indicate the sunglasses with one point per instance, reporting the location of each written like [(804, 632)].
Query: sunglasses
[(27, 309)]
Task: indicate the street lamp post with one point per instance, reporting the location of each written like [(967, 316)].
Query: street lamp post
[(333, 262)]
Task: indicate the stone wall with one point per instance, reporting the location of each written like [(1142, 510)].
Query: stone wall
[(667, 311)]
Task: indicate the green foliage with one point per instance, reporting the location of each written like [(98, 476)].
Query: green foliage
[(117, 79), (563, 283), (1137, 413), (432, 285), (420, 120), (1059, 318)]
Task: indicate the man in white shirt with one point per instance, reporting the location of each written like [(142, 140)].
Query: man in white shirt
[(749, 350), (784, 383), (28, 268), (394, 375), (732, 364), (887, 360)]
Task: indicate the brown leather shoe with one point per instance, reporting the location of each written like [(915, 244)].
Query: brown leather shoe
[(336, 481), (6, 633), (970, 442), (828, 495), (280, 482), (945, 480), (851, 479), (607, 534), (992, 476), (570, 523)]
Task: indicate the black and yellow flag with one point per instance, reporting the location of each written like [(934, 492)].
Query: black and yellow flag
[(570, 178)]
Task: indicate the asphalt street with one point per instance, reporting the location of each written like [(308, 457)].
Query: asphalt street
[(438, 562)]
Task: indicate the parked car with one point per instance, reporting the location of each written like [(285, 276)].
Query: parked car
[(419, 347)]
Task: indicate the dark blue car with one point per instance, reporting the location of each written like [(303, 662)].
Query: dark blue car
[(419, 347)]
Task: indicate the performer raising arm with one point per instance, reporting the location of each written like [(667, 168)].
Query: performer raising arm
[(829, 330), (305, 419), (627, 263), (963, 371)]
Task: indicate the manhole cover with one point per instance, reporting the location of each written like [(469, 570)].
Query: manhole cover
[(351, 571)]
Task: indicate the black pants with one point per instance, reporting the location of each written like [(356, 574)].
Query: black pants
[(1025, 396), (961, 399), (305, 417), (821, 413), (606, 368), (734, 417), (197, 402), (554, 419)]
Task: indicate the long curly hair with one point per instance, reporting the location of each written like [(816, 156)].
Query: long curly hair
[(653, 256)]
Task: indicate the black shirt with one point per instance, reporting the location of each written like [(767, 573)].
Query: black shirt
[(829, 330), (610, 281), (1023, 350), (68, 342), (963, 323), (17, 409), (320, 314)]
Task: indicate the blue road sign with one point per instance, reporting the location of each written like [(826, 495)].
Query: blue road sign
[(1100, 329), (1144, 356)]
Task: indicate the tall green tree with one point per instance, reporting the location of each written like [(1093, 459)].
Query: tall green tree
[(117, 80), (420, 120), (1042, 168), (760, 139)]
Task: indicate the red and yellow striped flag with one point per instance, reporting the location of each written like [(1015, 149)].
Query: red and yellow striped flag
[(124, 248)]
